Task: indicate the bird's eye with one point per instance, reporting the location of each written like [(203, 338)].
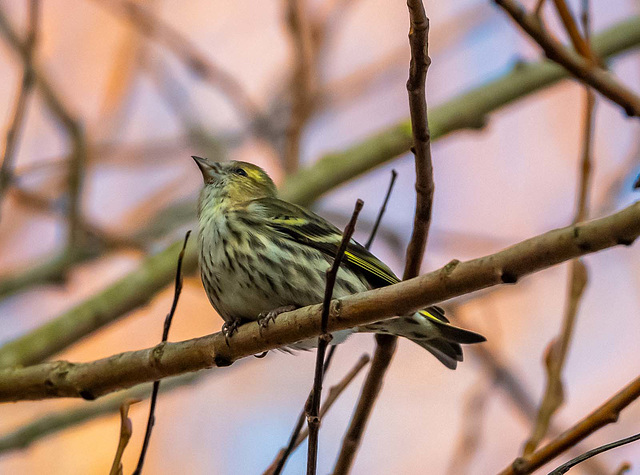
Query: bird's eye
[(240, 171)]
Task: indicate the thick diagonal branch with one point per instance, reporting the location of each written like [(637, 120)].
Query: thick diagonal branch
[(94, 379)]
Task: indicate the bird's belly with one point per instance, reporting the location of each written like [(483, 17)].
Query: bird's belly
[(244, 285)]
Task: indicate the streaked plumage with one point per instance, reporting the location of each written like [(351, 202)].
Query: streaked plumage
[(259, 253)]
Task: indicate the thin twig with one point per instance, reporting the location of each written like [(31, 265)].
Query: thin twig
[(579, 43), (583, 69), (71, 124), (302, 82), (284, 454), (473, 415), (577, 281), (17, 121), (623, 468), (125, 434), (334, 393), (386, 344), (607, 413), (278, 465), (165, 335), (156, 29), (313, 410), (565, 467), (383, 208)]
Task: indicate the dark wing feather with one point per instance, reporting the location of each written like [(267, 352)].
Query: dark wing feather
[(302, 226)]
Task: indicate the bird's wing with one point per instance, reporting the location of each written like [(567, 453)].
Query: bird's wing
[(297, 224), (302, 226)]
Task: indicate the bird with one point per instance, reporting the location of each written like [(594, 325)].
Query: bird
[(261, 256)]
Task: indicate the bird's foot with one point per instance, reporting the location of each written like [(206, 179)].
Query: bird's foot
[(265, 317), (229, 328)]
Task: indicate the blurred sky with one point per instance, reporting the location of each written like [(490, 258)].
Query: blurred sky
[(513, 179)]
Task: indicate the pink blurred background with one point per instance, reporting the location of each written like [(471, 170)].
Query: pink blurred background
[(513, 179)]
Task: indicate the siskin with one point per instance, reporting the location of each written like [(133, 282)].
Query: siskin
[(260, 256)]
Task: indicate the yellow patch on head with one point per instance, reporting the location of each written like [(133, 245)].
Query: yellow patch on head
[(248, 182)]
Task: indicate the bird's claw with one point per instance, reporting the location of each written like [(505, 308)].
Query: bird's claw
[(229, 328), (265, 317)]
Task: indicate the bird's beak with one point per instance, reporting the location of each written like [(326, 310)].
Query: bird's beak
[(209, 170)]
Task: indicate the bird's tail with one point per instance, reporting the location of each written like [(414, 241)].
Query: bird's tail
[(431, 330)]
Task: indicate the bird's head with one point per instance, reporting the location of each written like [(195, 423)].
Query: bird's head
[(235, 181)]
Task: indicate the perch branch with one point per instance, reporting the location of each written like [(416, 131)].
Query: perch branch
[(90, 380), (304, 187)]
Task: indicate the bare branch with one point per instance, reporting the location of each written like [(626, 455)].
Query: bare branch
[(165, 335), (334, 393), (302, 82), (125, 434), (386, 344), (368, 395), (583, 69), (579, 43), (607, 413), (515, 390), (24, 91), (466, 111), (565, 467), (71, 124), (313, 409), (556, 355), (55, 422), (278, 465), (158, 30), (91, 380), (577, 281)]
